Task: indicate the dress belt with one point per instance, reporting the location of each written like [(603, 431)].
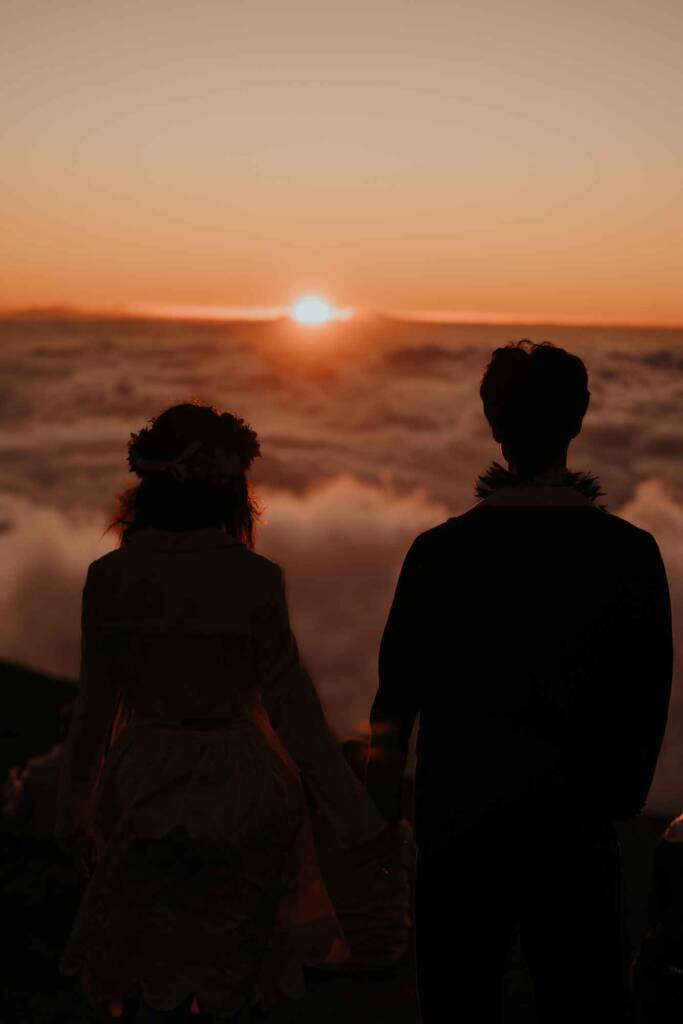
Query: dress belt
[(202, 724)]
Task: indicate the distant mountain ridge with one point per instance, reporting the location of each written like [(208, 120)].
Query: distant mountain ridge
[(30, 703)]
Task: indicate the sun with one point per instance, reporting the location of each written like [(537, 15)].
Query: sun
[(314, 310)]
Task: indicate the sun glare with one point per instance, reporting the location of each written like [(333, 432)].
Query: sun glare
[(314, 310)]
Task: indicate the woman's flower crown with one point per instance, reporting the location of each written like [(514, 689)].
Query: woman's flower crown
[(194, 461)]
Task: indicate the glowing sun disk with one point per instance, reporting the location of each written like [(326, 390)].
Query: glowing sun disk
[(313, 310)]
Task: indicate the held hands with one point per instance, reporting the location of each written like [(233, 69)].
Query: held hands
[(79, 847), (384, 845)]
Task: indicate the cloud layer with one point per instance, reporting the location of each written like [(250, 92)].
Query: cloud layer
[(368, 436), (341, 545)]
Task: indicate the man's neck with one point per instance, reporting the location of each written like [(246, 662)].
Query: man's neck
[(552, 475), (554, 483)]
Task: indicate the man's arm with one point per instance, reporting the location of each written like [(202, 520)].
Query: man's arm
[(643, 691), (626, 719), (397, 701)]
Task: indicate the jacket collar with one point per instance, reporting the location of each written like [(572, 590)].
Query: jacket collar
[(182, 540), (536, 495)]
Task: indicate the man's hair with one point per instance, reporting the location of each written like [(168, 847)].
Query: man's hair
[(535, 396)]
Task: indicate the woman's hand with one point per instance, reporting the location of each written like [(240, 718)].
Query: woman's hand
[(382, 845), (81, 849)]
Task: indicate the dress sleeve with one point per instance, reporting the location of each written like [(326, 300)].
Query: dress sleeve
[(91, 721), (396, 703), (293, 707)]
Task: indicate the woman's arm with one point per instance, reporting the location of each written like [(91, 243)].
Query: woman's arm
[(396, 704), (92, 718), (295, 712)]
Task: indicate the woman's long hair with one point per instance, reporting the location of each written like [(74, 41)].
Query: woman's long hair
[(159, 499)]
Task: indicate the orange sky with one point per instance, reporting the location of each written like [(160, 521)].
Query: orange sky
[(471, 157)]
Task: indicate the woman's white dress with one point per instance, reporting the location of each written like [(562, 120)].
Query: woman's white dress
[(193, 722)]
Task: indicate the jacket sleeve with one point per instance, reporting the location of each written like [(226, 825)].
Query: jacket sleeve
[(642, 688), (295, 712), (91, 721), (397, 702)]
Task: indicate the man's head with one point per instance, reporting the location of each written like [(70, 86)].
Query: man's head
[(535, 397)]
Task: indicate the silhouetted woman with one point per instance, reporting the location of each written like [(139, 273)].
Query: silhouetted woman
[(180, 784)]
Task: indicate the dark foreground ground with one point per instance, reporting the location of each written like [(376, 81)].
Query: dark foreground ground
[(39, 896), (39, 893)]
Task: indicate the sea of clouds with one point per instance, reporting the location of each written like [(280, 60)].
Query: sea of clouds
[(371, 432)]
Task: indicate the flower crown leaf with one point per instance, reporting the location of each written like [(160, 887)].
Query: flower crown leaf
[(193, 461)]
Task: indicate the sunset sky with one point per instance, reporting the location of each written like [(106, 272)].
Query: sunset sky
[(435, 156)]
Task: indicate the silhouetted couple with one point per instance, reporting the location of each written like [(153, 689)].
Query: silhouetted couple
[(531, 636)]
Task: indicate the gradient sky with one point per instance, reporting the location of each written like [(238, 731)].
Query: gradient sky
[(487, 157)]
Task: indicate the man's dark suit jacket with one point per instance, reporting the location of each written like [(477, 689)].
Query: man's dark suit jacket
[(534, 642)]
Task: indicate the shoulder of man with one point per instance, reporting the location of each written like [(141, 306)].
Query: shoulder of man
[(631, 545), (432, 542), (627, 535)]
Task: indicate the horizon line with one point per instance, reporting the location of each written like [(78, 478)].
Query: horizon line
[(240, 314)]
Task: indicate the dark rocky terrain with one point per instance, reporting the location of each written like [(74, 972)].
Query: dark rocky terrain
[(40, 891)]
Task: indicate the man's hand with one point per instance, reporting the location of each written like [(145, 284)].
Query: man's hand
[(384, 775), (383, 845), (80, 848)]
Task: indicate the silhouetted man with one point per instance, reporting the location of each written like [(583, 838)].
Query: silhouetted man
[(532, 635)]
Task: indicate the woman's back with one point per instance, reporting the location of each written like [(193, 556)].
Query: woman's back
[(194, 714), (179, 614)]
